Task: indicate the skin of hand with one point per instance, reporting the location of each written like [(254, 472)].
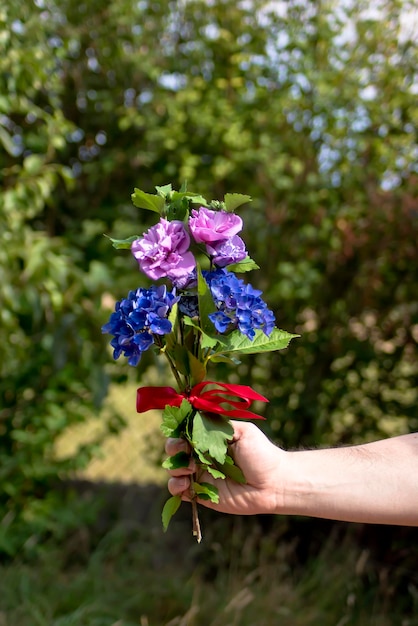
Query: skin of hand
[(259, 459), (369, 483)]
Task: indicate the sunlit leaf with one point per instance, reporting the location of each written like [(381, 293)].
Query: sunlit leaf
[(173, 417), (164, 190), (123, 244), (177, 461), (211, 434), (170, 508), (246, 265), (237, 342), (206, 304), (148, 201), (231, 470), (194, 198), (206, 491), (216, 473), (234, 200)]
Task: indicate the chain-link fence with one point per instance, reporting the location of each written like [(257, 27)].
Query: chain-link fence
[(134, 455)]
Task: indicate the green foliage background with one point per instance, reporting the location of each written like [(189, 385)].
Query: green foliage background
[(308, 107)]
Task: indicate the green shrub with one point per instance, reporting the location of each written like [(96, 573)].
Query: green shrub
[(315, 121)]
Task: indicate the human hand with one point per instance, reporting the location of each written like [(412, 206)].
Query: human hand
[(261, 463), (355, 483)]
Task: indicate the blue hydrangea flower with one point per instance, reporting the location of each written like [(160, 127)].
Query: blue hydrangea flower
[(189, 305), (137, 319), (238, 305)]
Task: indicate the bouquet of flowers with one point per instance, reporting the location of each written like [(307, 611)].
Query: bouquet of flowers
[(198, 312)]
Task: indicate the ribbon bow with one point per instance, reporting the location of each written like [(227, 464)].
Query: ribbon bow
[(210, 400)]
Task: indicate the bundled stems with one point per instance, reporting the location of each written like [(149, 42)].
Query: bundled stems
[(175, 372), (195, 516), (195, 513)]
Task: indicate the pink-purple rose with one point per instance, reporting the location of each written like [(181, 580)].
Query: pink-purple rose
[(225, 253), (208, 226), (164, 252), (218, 230)]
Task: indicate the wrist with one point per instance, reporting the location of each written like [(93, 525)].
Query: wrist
[(299, 489), (280, 491)]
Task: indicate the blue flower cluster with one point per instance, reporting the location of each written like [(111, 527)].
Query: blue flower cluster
[(239, 305), (137, 318)]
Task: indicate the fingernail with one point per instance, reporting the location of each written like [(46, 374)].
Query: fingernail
[(182, 483)]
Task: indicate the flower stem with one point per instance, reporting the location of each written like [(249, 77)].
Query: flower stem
[(175, 372), (195, 517)]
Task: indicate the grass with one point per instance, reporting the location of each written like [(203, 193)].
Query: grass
[(241, 575), (134, 577)]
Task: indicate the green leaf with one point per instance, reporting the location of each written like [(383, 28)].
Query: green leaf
[(231, 470), (202, 458), (173, 417), (188, 321), (179, 201), (206, 491), (211, 434), (123, 244), (164, 191), (207, 464), (234, 200), (177, 210), (206, 304), (7, 141), (215, 472), (206, 341), (171, 337), (209, 342), (33, 164), (169, 509), (181, 359), (246, 265), (196, 368), (195, 198), (223, 358), (181, 459), (237, 342), (148, 201), (187, 364)]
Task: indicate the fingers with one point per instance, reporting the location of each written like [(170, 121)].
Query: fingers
[(183, 471), (179, 483), (173, 446), (179, 486)]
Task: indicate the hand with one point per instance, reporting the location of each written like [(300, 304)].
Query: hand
[(369, 483), (260, 461)]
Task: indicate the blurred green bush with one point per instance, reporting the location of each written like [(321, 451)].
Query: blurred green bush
[(308, 107)]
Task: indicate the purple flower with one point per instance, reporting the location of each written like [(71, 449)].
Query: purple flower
[(137, 319), (188, 281), (163, 251), (238, 305), (209, 226), (227, 252)]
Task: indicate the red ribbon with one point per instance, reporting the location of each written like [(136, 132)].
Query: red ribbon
[(210, 400)]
